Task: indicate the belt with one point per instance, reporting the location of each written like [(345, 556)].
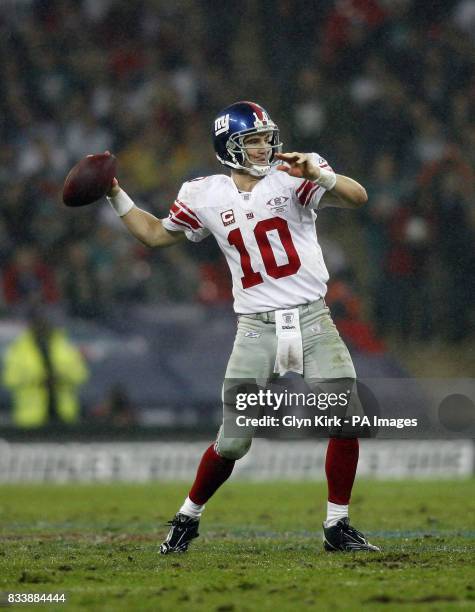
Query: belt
[(269, 316)]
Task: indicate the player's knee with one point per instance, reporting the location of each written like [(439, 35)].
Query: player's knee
[(233, 448)]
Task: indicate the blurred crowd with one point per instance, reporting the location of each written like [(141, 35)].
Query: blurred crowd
[(384, 89)]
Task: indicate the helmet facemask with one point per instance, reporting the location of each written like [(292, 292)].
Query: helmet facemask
[(239, 153)]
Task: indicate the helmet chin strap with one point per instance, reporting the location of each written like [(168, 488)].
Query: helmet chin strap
[(256, 169), (259, 171)]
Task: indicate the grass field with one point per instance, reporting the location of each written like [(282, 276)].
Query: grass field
[(259, 548)]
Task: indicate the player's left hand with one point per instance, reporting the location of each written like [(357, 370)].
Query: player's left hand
[(298, 165), (115, 188)]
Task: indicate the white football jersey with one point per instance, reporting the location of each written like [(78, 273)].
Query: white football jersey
[(268, 236)]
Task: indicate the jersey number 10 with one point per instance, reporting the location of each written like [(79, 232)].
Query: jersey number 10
[(252, 278)]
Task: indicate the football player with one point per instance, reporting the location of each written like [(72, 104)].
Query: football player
[(263, 218)]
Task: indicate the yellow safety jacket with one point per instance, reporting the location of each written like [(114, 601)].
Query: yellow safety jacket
[(24, 374)]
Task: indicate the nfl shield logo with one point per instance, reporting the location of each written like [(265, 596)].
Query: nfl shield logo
[(288, 318)]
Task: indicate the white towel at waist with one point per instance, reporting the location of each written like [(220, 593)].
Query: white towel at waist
[(289, 356)]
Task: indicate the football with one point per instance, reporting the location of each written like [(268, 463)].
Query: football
[(89, 180)]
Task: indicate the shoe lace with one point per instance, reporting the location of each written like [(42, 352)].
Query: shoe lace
[(179, 522)]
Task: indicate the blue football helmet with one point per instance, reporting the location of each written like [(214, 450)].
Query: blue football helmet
[(231, 126)]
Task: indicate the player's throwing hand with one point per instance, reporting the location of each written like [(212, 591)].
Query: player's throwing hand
[(298, 165)]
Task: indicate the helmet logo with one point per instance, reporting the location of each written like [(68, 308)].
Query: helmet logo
[(221, 125), (261, 121)]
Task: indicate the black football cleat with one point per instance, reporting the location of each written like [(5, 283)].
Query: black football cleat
[(343, 537), (183, 529)]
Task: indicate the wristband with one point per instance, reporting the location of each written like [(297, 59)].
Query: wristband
[(327, 179), (121, 203)]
